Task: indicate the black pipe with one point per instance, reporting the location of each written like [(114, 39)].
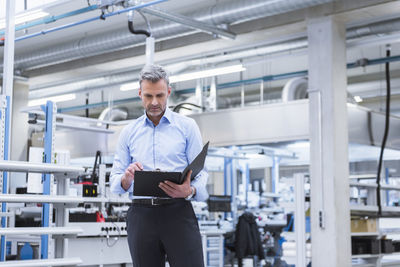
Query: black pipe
[(94, 176), (181, 105), (87, 110), (385, 136), (133, 31)]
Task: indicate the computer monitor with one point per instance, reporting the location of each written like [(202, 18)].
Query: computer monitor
[(219, 203)]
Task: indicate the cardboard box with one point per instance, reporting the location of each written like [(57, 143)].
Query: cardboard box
[(363, 225)]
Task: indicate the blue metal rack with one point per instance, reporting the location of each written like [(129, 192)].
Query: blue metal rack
[(49, 110), (5, 123)]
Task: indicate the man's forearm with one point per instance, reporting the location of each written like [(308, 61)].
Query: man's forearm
[(125, 183)]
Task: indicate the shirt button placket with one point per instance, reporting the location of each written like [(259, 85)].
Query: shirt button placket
[(154, 147)]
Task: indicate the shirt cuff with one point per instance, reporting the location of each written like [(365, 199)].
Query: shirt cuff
[(201, 192), (117, 186)]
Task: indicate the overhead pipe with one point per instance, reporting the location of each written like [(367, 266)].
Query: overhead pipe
[(50, 19), (298, 43), (102, 17), (266, 78), (224, 13), (117, 79)]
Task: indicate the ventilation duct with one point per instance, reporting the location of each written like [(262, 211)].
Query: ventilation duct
[(116, 79), (295, 89), (224, 13), (113, 114)]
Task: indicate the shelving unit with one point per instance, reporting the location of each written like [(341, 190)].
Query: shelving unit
[(49, 171), (371, 209)]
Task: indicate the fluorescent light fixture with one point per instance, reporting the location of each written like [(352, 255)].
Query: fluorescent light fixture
[(59, 98), (358, 99), (298, 144), (25, 17), (206, 73), (129, 86), (191, 76)]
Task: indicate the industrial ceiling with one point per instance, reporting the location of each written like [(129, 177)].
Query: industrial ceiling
[(268, 37)]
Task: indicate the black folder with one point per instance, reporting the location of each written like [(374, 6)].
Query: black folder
[(146, 182)]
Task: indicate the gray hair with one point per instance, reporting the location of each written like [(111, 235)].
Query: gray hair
[(153, 73)]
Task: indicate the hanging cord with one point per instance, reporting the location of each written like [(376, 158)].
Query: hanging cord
[(182, 105), (387, 120), (133, 31), (115, 238), (147, 22)]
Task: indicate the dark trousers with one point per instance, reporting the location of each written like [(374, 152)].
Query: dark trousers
[(157, 231)]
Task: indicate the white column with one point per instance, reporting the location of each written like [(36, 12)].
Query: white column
[(300, 220), (329, 166)]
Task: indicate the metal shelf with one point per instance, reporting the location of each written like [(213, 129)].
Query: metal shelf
[(269, 194), (390, 187), (365, 234), (365, 256), (390, 231), (47, 262), (363, 176), (41, 231), (363, 208), (26, 198), (24, 166), (72, 126), (363, 185)]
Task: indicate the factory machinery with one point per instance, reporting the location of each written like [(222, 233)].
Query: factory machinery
[(88, 223)]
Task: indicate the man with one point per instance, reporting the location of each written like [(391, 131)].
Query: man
[(164, 140)]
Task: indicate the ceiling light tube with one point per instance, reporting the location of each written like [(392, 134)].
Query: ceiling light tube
[(358, 99), (191, 76), (206, 73), (59, 98), (25, 17), (129, 86)]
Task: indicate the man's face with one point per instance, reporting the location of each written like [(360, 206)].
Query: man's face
[(154, 97)]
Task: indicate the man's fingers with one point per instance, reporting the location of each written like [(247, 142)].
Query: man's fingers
[(188, 176), (172, 184), (168, 190), (136, 168), (138, 165), (130, 171)]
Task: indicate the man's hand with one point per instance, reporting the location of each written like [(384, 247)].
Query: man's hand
[(129, 175), (177, 190)]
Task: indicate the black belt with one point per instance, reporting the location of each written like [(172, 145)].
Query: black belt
[(156, 201)]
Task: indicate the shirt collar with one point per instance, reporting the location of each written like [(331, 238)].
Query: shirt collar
[(167, 117)]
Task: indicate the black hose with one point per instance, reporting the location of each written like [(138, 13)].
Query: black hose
[(133, 31), (181, 105), (94, 177), (1, 43), (385, 136)]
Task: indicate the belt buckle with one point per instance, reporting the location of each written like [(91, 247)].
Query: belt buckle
[(153, 203)]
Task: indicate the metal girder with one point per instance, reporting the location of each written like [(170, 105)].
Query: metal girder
[(189, 22)]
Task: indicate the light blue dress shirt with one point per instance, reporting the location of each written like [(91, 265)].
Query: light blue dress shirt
[(169, 146)]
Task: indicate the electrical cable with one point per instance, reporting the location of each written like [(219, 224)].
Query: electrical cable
[(147, 22), (386, 133), (181, 105), (132, 29), (115, 238)]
